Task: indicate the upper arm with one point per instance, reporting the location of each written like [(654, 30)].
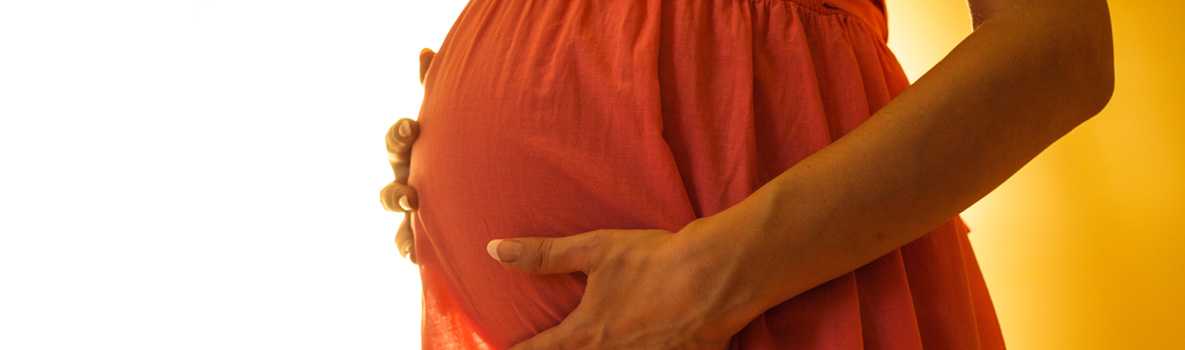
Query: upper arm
[(982, 10), (1074, 33)]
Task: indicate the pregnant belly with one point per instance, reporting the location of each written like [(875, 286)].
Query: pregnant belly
[(532, 141)]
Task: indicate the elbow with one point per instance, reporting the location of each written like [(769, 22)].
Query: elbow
[(1087, 57), (1092, 88), (1096, 79), (1101, 94), (1105, 87)]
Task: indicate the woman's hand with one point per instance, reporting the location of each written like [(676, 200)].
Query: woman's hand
[(647, 289), (398, 196)]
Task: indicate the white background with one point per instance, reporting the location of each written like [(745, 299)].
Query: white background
[(204, 174)]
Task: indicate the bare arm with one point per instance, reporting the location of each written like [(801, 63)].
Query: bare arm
[(1030, 72)]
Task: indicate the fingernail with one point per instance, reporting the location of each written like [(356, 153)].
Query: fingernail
[(492, 248), (504, 251)]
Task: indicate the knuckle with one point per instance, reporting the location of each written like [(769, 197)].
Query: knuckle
[(595, 248), (399, 197), (400, 137), (543, 259), (407, 130), (594, 241)]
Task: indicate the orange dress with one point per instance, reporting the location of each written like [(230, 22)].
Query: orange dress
[(549, 118)]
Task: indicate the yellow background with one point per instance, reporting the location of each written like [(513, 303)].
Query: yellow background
[(1083, 248)]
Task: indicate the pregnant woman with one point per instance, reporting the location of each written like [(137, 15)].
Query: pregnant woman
[(741, 174)]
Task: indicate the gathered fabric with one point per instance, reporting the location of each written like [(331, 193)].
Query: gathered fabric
[(552, 118)]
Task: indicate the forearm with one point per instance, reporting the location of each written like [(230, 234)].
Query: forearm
[(1018, 83)]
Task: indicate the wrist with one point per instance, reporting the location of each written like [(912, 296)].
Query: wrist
[(716, 270), (760, 246), (729, 251)]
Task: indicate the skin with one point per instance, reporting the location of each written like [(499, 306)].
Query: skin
[(1031, 71)]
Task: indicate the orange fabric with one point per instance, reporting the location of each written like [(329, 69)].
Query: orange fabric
[(549, 118)]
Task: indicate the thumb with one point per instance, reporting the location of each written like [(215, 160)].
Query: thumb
[(576, 253)]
